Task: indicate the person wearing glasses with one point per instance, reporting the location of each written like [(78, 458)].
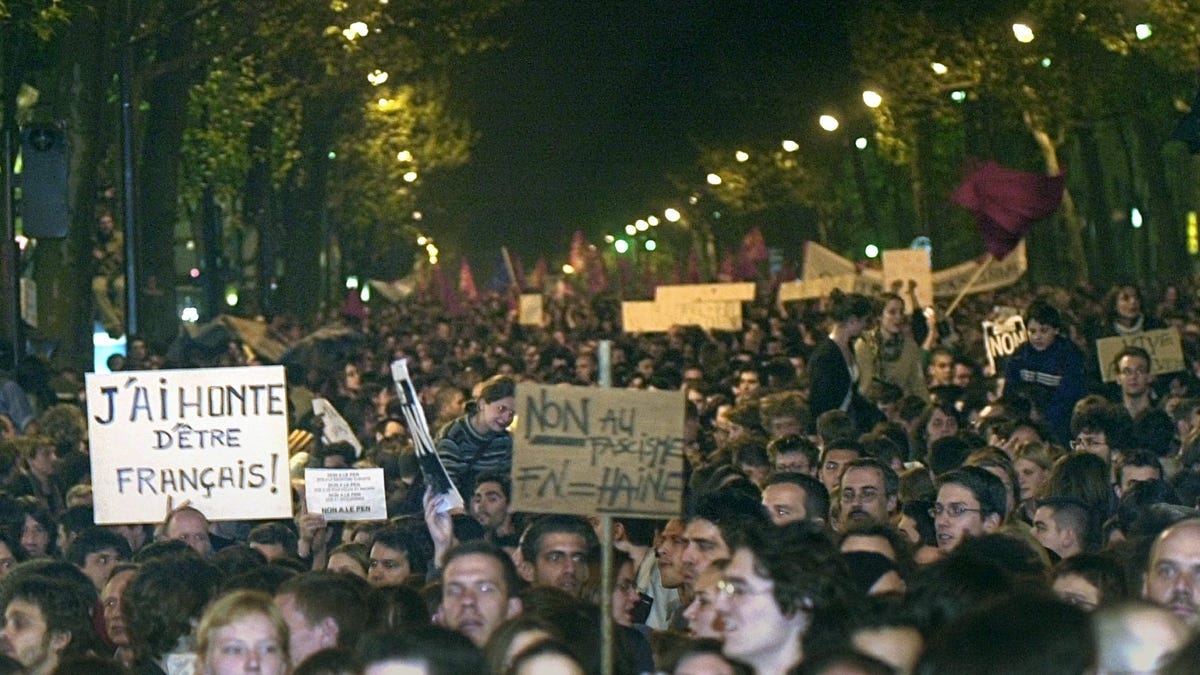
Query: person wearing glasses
[(776, 588), (869, 493), (970, 502)]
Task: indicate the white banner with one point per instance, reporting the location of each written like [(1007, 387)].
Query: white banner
[(345, 494), (215, 437)]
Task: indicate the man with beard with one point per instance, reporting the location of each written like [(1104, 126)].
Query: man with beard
[(45, 620), (1171, 579), (869, 493), (490, 504)]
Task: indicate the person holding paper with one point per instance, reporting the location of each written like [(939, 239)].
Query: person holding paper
[(479, 440)]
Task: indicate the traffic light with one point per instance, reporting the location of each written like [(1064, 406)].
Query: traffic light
[(44, 168)]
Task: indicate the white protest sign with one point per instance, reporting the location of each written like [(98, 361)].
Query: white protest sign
[(1163, 344), (737, 291), (909, 267), (658, 317), (818, 287), (216, 437), (335, 429), (1001, 339), (346, 494), (589, 450), (529, 311)]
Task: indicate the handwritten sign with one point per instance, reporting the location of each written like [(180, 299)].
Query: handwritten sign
[(346, 494), (1166, 351), (529, 311), (1001, 339), (733, 292), (909, 266), (216, 437), (658, 317), (587, 450)]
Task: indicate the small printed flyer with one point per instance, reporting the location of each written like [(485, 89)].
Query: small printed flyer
[(346, 494)]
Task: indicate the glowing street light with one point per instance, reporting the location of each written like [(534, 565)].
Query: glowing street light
[(641, 225), (829, 122), (872, 99), (1143, 31), (410, 176), (672, 215), (741, 155), (790, 145), (621, 246), (651, 244), (377, 77), (568, 269), (404, 156), (1022, 32), (630, 230), (939, 68), (861, 142), (713, 179), (872, 251)]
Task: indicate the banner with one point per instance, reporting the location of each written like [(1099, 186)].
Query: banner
[(1166, 351), (821, 262), (658, 317), (733, 292), (345, 494), (589, 450), (1001, 339), (215, 437), (818, 287), (909, 266), (949, 282)]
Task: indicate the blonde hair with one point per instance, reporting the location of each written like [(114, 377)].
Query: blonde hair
[(237, 605)]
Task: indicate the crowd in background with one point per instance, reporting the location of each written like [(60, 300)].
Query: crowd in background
[(861, 496)]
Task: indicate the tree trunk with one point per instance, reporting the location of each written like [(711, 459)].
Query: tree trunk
[(304, 207), (1168, 253), (1072, 224), (163, 124), (257, 212)]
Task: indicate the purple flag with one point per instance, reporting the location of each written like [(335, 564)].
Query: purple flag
[(1006, 203)]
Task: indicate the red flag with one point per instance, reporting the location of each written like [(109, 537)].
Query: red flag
[(538, 281), (466, 281), (597, 274), (753, 252), (1006, 203), (446, 291), (578, 254)]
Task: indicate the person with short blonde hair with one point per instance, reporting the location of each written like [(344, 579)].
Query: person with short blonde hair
[(239, 631)]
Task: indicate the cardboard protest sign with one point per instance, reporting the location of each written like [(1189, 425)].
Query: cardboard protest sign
[(589, 450), (1001, 339), (334, 428), (216, 437), (658, 317), (818, 287), (822, 262), (736, 292), (909, 266), (1166, 351), (529, 311), (345, 494)]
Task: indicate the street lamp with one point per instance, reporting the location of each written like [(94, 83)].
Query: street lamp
[(872, 99), (1022, 32), (713, 179), (829, 123)]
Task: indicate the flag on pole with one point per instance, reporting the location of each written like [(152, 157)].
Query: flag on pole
[(466, 281), (1006, 203)]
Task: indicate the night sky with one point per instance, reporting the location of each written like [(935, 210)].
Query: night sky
[(593, 106)]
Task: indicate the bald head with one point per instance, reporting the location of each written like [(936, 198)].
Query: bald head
[(1173, 573), (1136, 637)]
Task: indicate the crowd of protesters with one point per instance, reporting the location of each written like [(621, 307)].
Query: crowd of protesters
[(861, 497)]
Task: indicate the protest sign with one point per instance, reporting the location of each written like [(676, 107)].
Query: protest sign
[(334, 428), (529, 311), (907, 267), (818, 287), (822, 262), (215, 437), (345, 494), (658, 317), (1001, 339), (949, 282), (588, 450), (734, 292), (1164, 346)]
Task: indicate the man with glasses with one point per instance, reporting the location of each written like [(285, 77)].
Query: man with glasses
[(1099, 429), (794, 454), (776, 587), (1134, 377), (970, 502), (869, 493)]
